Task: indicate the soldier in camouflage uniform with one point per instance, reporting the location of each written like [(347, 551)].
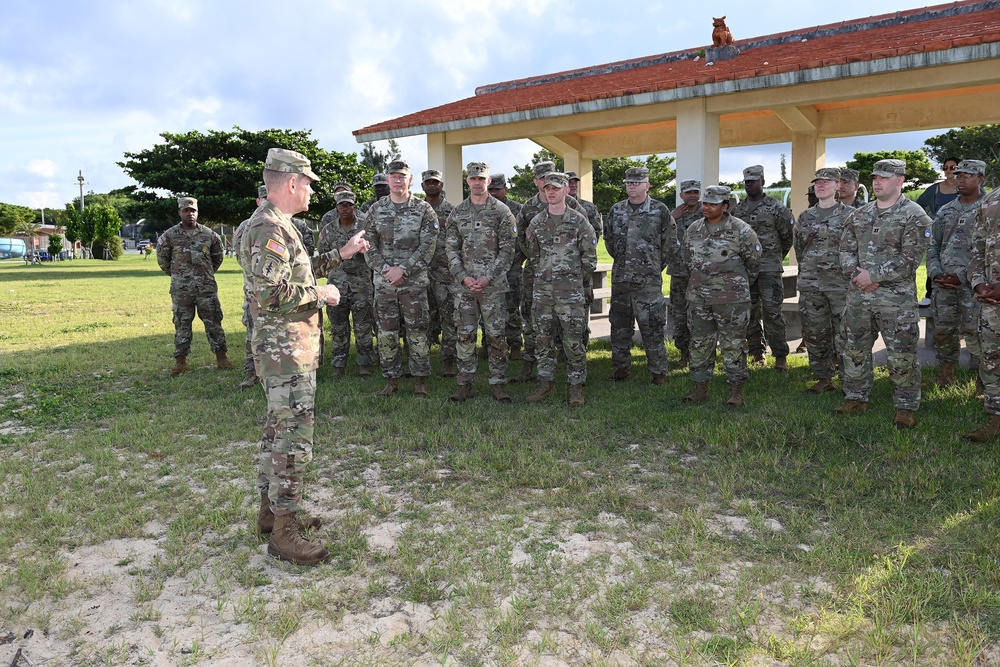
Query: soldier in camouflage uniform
[(442, 290), (847, 188), (772, 222), (515, 325), (984, 276), (380, 184), (191, 254), (402, 230), (684, 215), (642, 240), (821, 283), (956, 311), (250, 378), (285, 309), (880, 250), (537, 204), (723, 257), (480, 242), (354, 280), (562, 248)]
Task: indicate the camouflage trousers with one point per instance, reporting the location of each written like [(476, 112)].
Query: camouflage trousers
[(569, 321), (640, 303), (989, 368), (491, 308), (956, 314), (864, 318), (725, 324), (766, 295), (678, 312), (443, 294), (286, 446), (396, 307), (821, 313), (209, 310), (247, 321), (527, 297), (355, 304), (514, 325)]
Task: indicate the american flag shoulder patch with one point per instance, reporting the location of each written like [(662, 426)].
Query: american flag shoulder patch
[(275, 246)]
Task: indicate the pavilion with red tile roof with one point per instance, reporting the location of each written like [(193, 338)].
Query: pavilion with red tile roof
[(931, 68)]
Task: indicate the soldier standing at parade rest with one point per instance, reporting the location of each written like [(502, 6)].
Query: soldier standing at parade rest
[(498, 190), (380, 184), (821, 284), (441, 292), (537, 204), (191, 254), (250, 378), (881, 248), (984, 276), (480, 242), (285, 310), (562, 248), (402, 230), (956, 311), (353, 279), (642, 240), (847, 188), (688, 212), (772, 222), (723, 258)]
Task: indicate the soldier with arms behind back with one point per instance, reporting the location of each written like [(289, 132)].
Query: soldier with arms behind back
[(684, 215)]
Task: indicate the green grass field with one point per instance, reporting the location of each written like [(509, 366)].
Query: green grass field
[(635, 531)]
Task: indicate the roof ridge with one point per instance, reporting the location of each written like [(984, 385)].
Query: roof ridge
[(844, 27)]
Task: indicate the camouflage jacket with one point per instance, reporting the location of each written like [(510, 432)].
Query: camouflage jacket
[(642, 241), (529, 210), (438, 269), (984, 266), (333, 236), (190, 258), (367, 205), (593, 216), (284, 303), (889, 244), (683, 221), (772, 222), (722, 260), (403, 236), (481, 242), (306, 232), (951, 239), (563, 251), (817, 247)]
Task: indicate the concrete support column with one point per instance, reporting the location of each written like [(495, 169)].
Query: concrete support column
[(697, 143), (584, 168), (808, 155), (447, 158)]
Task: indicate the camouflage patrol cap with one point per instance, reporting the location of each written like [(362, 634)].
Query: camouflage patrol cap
[(976, 167), (827, 174), (849, 174), (477, 169), (571, 175), (432, 175), (380, 179), (261, 192), (543, 168), (289, 162), (345, 195), (811, 190), (557, 179), (187, 202), (754, 173), (716, 194), (887, 168), (637, 175), (498, 181), (398, 167), (340, 185), (690, 184)]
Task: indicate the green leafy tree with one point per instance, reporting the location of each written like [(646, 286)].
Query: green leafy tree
[(976, 142), (72, 226), (919, 170), (223, 169), (31, 230), (13, 216), (376, 160), (55, 244)]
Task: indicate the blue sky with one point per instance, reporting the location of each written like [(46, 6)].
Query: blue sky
[(83, 82)]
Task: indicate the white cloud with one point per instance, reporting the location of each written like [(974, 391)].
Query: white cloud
[(44, 168)]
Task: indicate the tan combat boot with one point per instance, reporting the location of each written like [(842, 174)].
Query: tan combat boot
[(500, 394), (735, 395), (420, 387), (684, 360), (337, 371), (822, 386), (658, 379), (699, 394), (851, 407), (265, 518), (527, 373), (249, 381), (288, 544), (515, 353), (365, 371), (222, 361), (180, 366), (576, 395), (390, 388), (945, 376), (904, 419), (448, 368), (986, 433), (621, 374), (781, 363), (464, 393), (542, 391)]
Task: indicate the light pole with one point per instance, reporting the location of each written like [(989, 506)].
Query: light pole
[(80, 180)]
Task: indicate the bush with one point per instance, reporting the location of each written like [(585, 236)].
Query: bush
[(113, 245), (55, 244)]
